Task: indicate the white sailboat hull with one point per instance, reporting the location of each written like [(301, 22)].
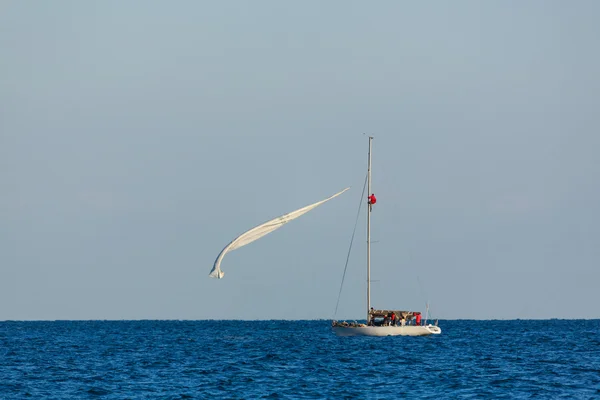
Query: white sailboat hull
[(407, 330)]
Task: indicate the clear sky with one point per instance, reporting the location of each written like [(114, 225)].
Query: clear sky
[(138, 138)]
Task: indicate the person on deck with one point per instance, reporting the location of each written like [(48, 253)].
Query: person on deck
[(393, 319), (418, 322), (372, 200)]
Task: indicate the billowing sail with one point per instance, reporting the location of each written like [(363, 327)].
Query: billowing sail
[(260, 231)]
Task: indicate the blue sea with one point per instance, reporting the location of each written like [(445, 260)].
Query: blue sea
[(296, 360)]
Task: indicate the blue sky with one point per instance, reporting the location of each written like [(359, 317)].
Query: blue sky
[(138, 138)]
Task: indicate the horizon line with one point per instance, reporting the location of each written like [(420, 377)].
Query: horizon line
[(287, 320)]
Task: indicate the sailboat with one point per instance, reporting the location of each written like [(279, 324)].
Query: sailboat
[(389, 322)]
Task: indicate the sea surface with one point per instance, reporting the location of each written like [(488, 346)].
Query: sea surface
[(297, 360)]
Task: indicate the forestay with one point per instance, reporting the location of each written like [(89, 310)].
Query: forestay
[(262, 230)]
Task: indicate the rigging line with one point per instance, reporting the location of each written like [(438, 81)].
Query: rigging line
[(424, 294), (362, 196)]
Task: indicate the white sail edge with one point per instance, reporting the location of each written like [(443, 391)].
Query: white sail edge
[(261, 230)]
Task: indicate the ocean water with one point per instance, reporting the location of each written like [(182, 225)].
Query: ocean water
[(296, 359)]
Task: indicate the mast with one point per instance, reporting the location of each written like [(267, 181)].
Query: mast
[(369, 237)]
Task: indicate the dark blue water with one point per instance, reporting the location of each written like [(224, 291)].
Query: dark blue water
[(296, 359)]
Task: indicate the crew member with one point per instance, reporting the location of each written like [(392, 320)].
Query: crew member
[(372, 200)]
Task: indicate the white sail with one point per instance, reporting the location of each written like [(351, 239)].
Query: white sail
[(260, 231)]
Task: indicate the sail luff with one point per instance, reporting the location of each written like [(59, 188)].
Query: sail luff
[(261, 230)]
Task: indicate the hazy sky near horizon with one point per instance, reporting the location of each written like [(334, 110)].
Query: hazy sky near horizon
[(138, 138)]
